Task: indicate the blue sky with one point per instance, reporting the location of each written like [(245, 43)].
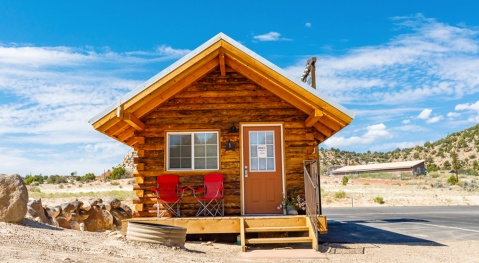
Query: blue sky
[(409, 70)]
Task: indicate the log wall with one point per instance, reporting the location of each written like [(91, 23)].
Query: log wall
[(216, 102)]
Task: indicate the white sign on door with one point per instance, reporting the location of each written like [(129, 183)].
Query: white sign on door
[(262, 151)]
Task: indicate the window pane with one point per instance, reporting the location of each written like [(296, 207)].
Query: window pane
[(269, 138), (175, 163), (200, 163), (262, 164), (185, 151), (211, 150), (185, 139), (211, 138), (254, 164), (211, 163), (261, 138), (199, 151), (254, 151), (175, 151), (185, 162), (269, 151), (199, 138), (175, 139), (270, 164), (254, 137)]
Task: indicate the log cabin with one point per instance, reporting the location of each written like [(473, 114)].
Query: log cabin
[(224, 109)]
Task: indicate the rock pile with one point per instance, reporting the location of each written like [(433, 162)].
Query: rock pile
[(93, 214), (13, 198)]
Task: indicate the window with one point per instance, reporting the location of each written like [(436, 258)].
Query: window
[(262, 151), (192, 151)]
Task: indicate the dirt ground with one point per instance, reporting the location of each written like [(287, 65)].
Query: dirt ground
[(412, 193), (31, 241)]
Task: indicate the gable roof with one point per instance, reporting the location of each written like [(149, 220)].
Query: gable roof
[(378, 166), (120, 119)]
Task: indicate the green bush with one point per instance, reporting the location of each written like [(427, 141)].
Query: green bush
[(89, 176), (379, 200), (452, 179), (115, 183), (61, 186), (30, 179), (56, 179), (340, 194), (345, 180), (117, 173), (35, 190)]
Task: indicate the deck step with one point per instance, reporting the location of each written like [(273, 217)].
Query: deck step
[(276, 229), (278, 240)]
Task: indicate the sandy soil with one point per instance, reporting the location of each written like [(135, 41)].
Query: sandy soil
[(420, 194), (34, 242)]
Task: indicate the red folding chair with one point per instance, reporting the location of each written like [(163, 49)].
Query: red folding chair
[(214, 192), (166, 194)]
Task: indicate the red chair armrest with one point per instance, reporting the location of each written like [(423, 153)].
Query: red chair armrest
[(155, 189), (181, 189), (221, 189), (199, 190)]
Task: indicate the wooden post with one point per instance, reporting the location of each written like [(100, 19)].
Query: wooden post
[(455, 166)]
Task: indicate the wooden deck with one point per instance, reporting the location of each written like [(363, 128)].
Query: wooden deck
[(241, 225)]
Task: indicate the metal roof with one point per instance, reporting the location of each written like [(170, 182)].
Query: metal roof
[(379, 166), (198, 50)]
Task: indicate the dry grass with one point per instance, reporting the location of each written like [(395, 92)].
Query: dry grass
[(120, 195)]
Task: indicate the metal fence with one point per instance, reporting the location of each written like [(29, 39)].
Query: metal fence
[(311, 193)]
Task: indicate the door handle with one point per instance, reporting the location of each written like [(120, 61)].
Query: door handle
[(245, 173)]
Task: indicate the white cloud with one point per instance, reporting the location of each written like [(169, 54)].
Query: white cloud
[(411, 127), (308, 24), (374, 133), (436, 61), (271, 36), (425, 114), (453, 114), (467, 106), (435, 119), (406, 121)]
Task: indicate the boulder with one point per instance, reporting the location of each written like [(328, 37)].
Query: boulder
[(117, 216), (52, 211), (77, 205), (52, 221), (75, 225), (84, 214), (102, 218), (105, 206), (114, 203), (35, 209), (127, 210), (90, 226), (99, 201), (67, 207), (13, 198), (86, 206), (76, 217), (93, 202), (63, 222)]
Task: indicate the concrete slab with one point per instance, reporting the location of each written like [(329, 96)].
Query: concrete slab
[(284, 253)]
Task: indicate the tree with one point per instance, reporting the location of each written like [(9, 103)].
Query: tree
[(74, 173), (416, 155), (88, 176), (117, 173), (446, 165)]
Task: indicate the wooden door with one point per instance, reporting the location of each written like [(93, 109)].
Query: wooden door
[(262, 169)]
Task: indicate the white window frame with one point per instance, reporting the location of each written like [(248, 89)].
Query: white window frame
[(192, 151), (274, 153)]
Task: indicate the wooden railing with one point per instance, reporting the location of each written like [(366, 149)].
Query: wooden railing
[(312, 194)]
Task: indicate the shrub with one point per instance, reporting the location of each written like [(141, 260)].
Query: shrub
[(115, 183), (80, 185), (366, 183), (89, 176), (340, 194), (345, 180), (35, 189), (61, 186), (57, 179), (378, 200), (121, 187), (35, 184), (452, 179), (117, 173)]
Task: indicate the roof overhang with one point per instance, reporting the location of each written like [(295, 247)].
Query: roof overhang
[(121, 119)]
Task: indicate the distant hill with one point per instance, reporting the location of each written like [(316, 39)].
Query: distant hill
[(438, 155)]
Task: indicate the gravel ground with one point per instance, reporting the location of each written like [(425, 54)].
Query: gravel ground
[(34, 242)]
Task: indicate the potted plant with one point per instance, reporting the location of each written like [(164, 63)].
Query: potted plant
[(293, 205)]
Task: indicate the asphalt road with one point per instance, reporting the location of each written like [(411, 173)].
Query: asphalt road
[(392, 225)]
